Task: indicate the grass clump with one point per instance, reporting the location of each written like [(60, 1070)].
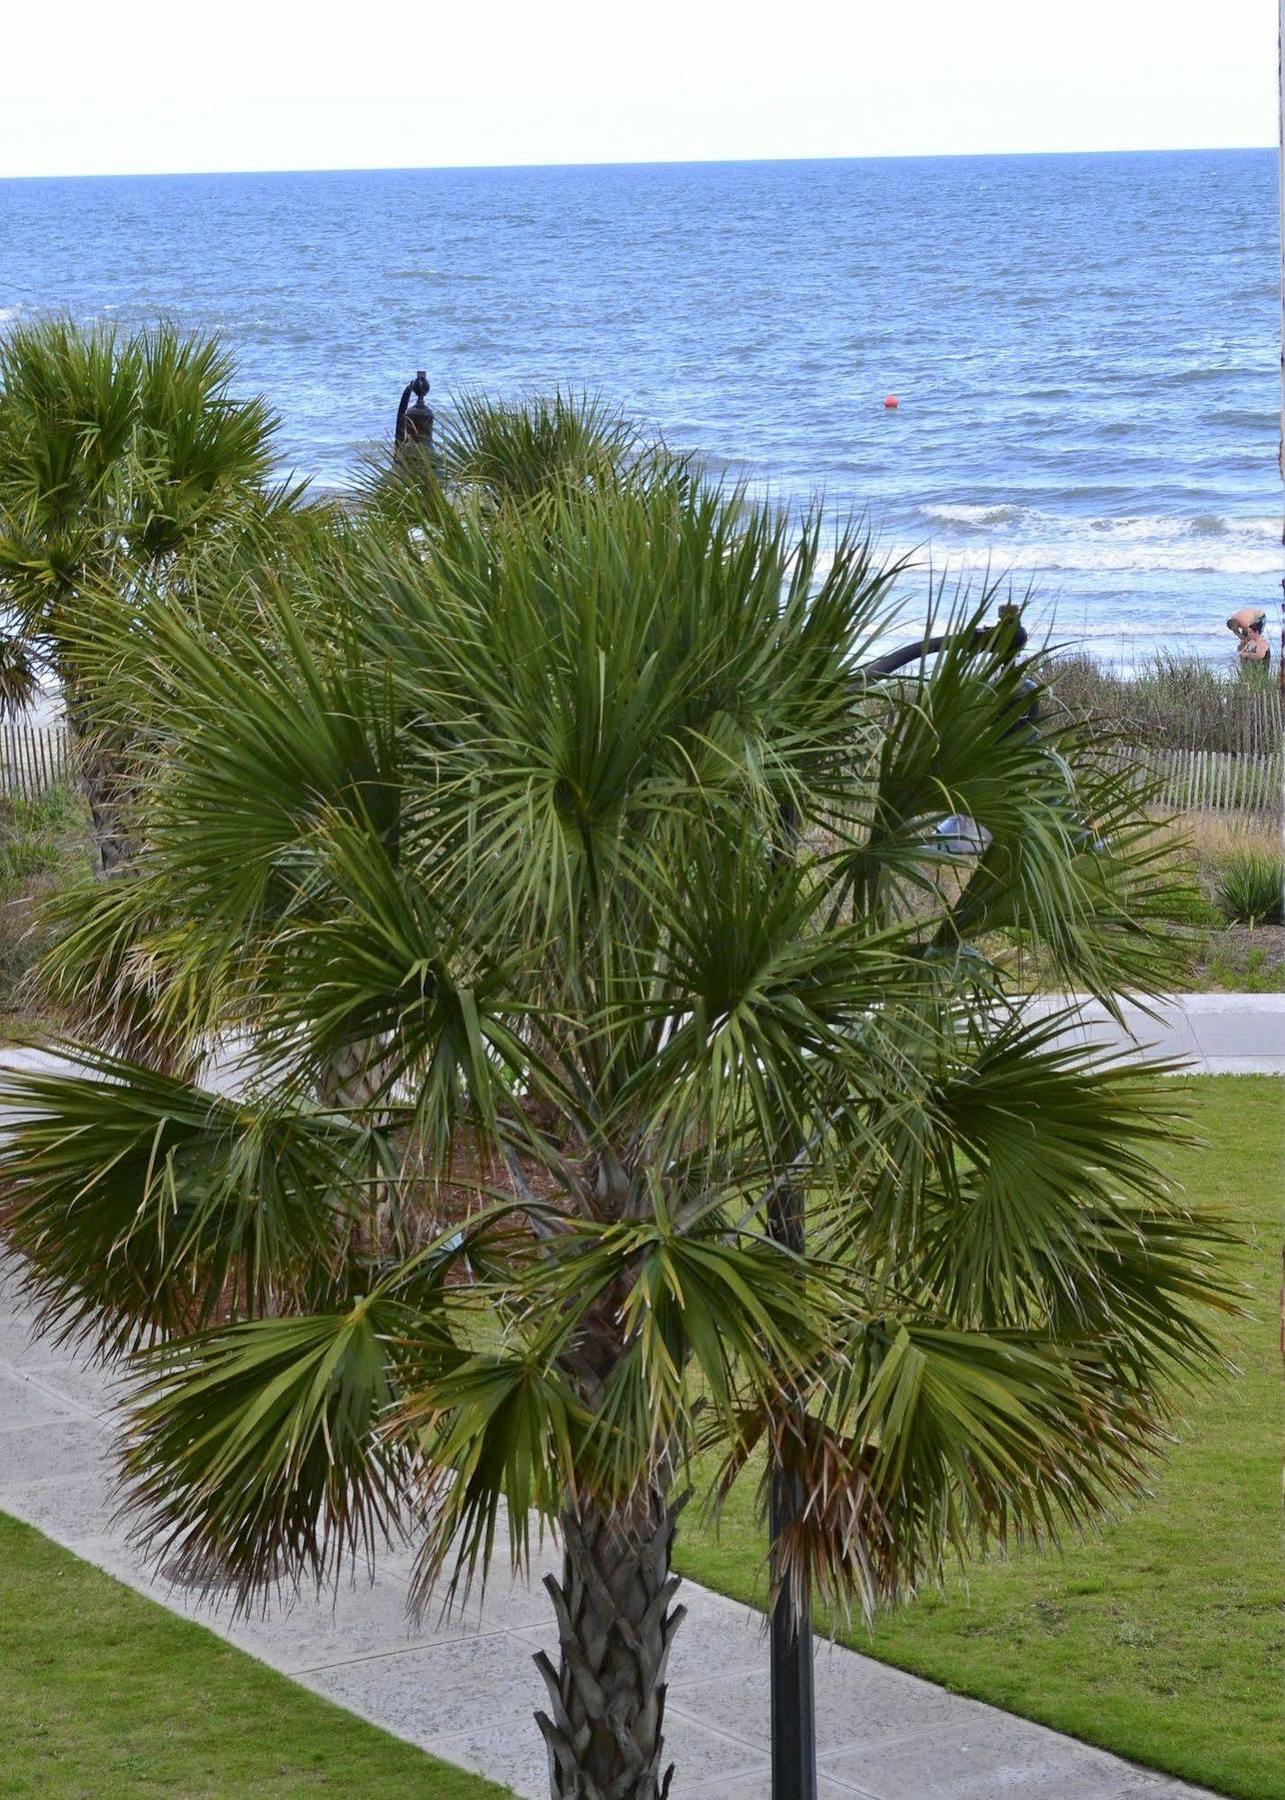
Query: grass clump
[(1220, 950), (1250, 888), (1237, 969)]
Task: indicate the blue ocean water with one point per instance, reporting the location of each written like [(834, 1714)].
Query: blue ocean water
[(1084, 347)]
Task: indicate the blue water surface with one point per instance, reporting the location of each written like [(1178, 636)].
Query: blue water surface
[(1084, 347)]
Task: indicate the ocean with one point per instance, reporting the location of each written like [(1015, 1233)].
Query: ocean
[(1084, 347)]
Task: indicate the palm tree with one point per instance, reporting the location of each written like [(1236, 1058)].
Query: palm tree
[(499, 454), (118, 453), (583, 828)]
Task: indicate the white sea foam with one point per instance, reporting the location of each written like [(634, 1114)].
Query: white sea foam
[(975, 518), (1196, 544)]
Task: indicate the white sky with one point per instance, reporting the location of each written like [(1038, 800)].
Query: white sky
[(133, 86)]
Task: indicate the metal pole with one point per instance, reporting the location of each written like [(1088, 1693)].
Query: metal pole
[(794, 1735), (794, 1738)]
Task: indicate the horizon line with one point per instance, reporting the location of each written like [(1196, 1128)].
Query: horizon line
[(674, 162)]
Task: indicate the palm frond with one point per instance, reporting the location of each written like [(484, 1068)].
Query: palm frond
[(256, 1453), (119, 974), (113, 445), (498, 1434), (143, 1205), (19, 675)]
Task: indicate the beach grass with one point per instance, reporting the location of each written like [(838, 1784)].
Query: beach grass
[(1173, 702), (104, 1692), (1158, 1637), (1235, 964)]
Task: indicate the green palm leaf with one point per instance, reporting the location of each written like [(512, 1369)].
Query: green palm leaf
[(256, 1452), (145, 1205)]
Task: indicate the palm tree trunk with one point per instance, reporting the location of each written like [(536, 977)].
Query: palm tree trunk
[(115, 847), (616, 1627), (103, 778), (354, 1080)]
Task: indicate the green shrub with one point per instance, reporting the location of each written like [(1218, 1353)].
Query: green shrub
[(44, 846), (1250, 888)]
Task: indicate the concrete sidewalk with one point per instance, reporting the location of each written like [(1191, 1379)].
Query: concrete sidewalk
[(466, 1689), (1214, 1034)]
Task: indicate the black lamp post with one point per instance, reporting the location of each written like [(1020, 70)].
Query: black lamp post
[(793, 1701), (794, 1749), (414, 428)]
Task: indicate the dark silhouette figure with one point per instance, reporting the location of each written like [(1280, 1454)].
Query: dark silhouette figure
[(414, 423)]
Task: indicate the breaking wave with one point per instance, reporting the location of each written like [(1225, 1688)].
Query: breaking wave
[(1200, 543)]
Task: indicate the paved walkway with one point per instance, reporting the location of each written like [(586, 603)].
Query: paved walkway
[(466, 1690), (1215, 1034)]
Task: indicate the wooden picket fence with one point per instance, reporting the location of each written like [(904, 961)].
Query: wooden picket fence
[(1215, 780), (34, 758)]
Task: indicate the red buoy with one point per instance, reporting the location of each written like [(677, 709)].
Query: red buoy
[(891, 402)]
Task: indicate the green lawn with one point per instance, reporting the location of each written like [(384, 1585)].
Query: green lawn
[(1160, 1637), (103, 1692)]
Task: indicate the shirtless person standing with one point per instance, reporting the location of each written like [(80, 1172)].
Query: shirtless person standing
[(1250, 627)]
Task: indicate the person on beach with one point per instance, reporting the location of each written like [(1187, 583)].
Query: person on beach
[(1250, 627)]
